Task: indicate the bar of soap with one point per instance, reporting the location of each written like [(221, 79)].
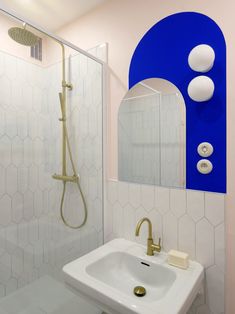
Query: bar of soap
[(178, 259)]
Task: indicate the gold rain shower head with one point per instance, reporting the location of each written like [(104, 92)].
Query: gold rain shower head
[(23, 36)]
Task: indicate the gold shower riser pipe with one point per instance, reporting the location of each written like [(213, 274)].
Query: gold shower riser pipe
[(63, 110)]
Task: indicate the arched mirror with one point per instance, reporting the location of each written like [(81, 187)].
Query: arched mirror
[(152, 135)]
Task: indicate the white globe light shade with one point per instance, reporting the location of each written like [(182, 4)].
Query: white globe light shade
[(201, 58), (201, 88)]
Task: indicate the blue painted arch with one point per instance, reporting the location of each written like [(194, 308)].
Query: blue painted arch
[(163, 52)]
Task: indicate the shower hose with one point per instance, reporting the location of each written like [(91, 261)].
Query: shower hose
[(65, 130)]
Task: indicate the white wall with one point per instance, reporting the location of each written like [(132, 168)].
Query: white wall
[(122, 24)]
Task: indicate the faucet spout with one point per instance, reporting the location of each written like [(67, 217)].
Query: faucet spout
[(139, 224), (151, 247)]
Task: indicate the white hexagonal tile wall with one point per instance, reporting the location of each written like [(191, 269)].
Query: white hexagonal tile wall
[(11, 180), (178, 202), (2, 122), (5, 268), (17, 207), (2, 241), (162, 200), (2, 181), (2, 63), (195, 204), (28, 152), (38, 203), (33, 178), (5, 91), (215, 289), (11, 237), (22, 124), (11, 286), (117, 219), (37, 151), (17, 262), (205, 243), (10, 67), (129, 222), (37, 99), (5, 212), (134, 195), (170, 232), (220, 247), (98, 214), (17, 95), (214, 208), (93, 184), (17, 150), (187, 236), (5, 151), (27, 97), (22, 176), (147, 196), (33, 125), (28, 205)]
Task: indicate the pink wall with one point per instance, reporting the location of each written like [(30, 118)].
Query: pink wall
[(122, 24), (51, 50), (13, 48)]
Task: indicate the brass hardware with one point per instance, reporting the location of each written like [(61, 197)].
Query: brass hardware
[(139, 291), (73, 178), (25, 37), (67, 85), (151, 247), (66, 146)]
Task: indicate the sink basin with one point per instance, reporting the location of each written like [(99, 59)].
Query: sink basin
[(123, 271), (108, 275)]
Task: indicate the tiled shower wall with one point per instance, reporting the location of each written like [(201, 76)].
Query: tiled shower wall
[(186, 220), (33, 240)]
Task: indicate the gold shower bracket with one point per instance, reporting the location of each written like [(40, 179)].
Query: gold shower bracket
[(67, 85)]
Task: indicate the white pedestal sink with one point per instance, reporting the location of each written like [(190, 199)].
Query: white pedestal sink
[(108, 275)]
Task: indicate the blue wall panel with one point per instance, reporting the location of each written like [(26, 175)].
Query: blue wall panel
[(163, 52)]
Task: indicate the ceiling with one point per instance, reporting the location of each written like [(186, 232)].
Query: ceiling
[(52, 14)]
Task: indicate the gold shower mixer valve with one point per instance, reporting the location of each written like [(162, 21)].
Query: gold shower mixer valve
[(74, 178), (67, 85)]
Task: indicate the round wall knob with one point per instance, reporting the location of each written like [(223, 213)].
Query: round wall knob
[(201, 88), (204, 166), (205, 149), (201, 58)]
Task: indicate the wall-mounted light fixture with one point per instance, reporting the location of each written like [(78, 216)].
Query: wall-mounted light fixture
[(201, 58), (201, 88)]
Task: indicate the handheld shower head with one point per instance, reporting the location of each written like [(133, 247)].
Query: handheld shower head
[(23, 36)]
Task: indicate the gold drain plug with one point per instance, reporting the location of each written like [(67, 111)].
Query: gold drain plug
[(139, 291)]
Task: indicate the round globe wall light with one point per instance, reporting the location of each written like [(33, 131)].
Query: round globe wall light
[(201, 58), (201, 88)]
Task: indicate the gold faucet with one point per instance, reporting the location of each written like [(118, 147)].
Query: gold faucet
[(151, 247)]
